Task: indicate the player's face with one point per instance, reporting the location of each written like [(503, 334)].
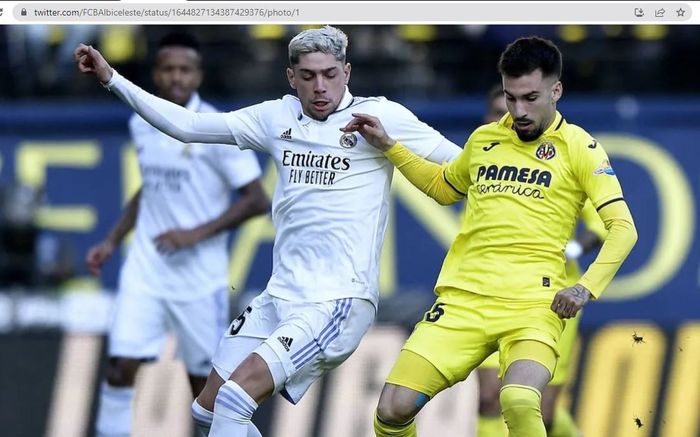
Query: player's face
[(320, 81), (497, 109), (177, 73), (532, 102)]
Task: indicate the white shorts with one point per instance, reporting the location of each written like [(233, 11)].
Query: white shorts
[(140, 323), (307, 338)]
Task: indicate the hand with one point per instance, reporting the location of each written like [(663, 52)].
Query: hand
[(569, 301), (371, 129), (97, 256), (176, 239), (91, 61)]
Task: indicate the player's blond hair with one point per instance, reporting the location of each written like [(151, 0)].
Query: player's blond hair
[(327, 39)]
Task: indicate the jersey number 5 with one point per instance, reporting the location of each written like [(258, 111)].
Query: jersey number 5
[(434, 314), (237, 324)]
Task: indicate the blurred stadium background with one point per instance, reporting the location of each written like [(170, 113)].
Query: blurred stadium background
[(66, 167)]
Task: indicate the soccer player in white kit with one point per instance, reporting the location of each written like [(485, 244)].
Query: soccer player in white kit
[(175, 274), (330, 210)]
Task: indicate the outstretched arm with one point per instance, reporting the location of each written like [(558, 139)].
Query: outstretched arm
[(427, 176), (174, 120)]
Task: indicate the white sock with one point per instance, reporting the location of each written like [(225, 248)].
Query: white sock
[(233, 410), (114, 411), (202, 419)]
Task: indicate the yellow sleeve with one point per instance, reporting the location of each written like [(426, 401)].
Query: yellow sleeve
[(621, 237), (592, 168), (424, 175), (592, 220)]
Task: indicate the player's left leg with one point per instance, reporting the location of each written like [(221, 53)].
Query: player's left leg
[(529, 349), (243, 336), (136, 335), (523, 384)]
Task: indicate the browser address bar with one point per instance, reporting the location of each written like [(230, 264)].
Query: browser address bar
[(355, 12)]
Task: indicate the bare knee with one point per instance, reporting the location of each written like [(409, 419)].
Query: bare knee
[(254, 377), (398, 405), (207, 396), (121, 372)]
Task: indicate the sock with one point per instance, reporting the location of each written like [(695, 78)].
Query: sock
[(563, 424), (521, 410), (114, 411), (491, 426), (383, 429), (233, 410), (202, 419)]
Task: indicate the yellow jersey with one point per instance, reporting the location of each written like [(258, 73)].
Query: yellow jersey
[(523, 200)]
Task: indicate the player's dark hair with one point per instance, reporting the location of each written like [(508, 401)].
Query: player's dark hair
[(179, 39), (527, 54)]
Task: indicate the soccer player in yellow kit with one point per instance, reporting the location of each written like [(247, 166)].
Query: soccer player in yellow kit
[(557, 419), (503, 282)]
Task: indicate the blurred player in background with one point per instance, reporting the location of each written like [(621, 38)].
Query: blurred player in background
[(503, 283), (176, 271), (330, 212), (557, 419)]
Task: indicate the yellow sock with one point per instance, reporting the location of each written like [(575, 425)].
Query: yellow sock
[(563, 424), (521, 410), (491, 426), (383, 429)]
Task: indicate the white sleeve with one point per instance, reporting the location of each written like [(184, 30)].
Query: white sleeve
[(446, 151), (402, 125), (248, 125), (174, 120)]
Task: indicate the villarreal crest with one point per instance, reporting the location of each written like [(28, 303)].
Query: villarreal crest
[(545, 151)]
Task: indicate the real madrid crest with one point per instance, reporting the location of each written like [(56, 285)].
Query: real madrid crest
[(348, 140), (545, 151)]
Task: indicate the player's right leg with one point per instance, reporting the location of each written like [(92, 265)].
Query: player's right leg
[(136, 335), (411, 384), (442, 350)]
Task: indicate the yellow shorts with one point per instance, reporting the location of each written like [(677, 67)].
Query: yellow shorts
[(463, 328), (566, 348)]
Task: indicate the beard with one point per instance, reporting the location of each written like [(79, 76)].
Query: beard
[(530, 136)]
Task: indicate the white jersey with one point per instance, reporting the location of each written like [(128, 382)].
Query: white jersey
[(184, 186), (331, 200)]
